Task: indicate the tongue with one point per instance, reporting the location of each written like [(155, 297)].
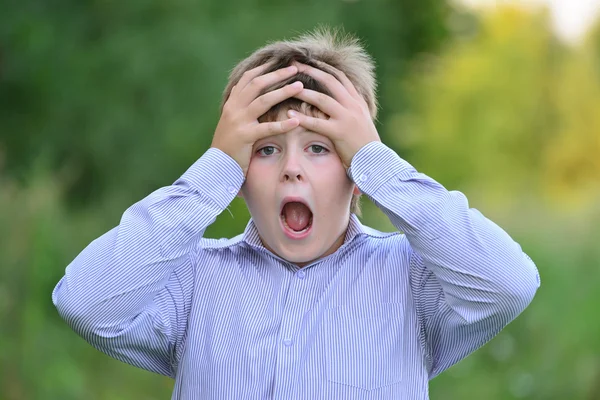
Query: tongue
[(297, 215)]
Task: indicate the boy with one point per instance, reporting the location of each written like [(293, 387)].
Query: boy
[(307, 303)]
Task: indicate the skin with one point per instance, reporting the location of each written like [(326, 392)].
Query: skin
[(303, 164), (299, 155), (349, 126), (238, 128)]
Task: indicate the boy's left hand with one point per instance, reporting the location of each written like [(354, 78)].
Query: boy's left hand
[(349, 126)]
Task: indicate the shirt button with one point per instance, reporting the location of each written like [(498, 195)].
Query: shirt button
[(288, 342), (363, 178), (301, 274), (232, 190)]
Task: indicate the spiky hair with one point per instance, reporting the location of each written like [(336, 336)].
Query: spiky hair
[(330, 46)]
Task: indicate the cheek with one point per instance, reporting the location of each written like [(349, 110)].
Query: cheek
[(261, 166), (258, 170), (332, 179), (335, 171), (258, 184)]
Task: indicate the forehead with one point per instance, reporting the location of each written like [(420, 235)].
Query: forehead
[(298, 134)]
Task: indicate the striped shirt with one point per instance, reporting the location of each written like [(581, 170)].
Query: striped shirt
[(227, 319)]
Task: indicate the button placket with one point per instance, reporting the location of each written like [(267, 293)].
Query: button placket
[(289, 351), (294, 310), (304, 291)]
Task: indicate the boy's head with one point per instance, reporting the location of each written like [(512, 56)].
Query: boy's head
[(302, 165)]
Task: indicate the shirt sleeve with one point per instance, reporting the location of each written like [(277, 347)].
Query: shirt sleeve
[(128, 292), (469, 279)]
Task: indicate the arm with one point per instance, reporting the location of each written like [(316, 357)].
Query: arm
[(128, 293), (468, 277)]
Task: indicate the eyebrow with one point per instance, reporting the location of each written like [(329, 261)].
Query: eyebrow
[(279, 137)]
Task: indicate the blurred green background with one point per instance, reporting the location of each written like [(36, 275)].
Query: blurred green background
[(101, 102)]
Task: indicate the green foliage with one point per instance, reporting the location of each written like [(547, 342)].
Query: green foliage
[(551, 351), (40, 357), (506, 111), (109, 94)]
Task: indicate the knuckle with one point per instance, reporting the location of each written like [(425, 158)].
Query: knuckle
[(258, 82), (226, 113), (262, 80), (253, 83), (321, 98), (247, 73), (264, 100)]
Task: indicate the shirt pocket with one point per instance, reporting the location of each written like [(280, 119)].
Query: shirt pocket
[(364, 345)]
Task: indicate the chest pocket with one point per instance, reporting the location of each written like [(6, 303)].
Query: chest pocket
[(364, 345)]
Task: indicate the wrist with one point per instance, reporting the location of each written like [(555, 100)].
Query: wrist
[(215, 174), (375, 164), (358, 148), (234, 156)]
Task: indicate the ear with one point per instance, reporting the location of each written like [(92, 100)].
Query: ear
[(356, 190), (240, 195)]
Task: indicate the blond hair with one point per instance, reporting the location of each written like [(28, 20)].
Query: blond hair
[(323, 46)]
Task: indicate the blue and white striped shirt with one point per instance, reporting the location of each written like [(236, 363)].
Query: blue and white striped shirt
[(227, 319)]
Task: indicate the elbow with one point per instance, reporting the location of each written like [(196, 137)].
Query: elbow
[(88, 317), (61, 301), (500, 296), (520, 289), (71, 310)]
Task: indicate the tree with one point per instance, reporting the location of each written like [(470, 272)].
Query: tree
[(507, 113)]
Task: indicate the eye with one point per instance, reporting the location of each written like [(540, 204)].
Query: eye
[(318, 149), (267, 151)]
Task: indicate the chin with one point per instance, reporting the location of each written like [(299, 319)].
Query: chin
[(297, 257)]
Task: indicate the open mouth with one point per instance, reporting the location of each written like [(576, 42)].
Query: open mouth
[(296, 219)]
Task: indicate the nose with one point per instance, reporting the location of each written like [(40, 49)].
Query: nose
[(292, 168)]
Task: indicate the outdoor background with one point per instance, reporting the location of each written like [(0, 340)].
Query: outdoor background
[(102, 102)]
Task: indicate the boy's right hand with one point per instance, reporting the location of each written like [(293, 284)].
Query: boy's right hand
[(238, 129)]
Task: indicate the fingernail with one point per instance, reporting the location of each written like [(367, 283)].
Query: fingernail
[(292, 113), (292, 68), (297, 84)]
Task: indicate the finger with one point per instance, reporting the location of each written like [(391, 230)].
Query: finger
[(267, 129), (254, 88), (344, 79), (232, 92), (336, 88), (264, 103), (251, 74), (320, 100), (321, 126)]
